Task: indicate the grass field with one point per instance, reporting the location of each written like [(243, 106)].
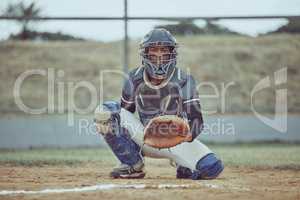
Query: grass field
[(252, 171), (216, 59), (249, 155)]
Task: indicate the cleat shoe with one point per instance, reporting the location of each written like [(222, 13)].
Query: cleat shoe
[(183, 173), (128, 172)]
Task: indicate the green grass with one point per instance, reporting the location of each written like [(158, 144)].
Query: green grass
[(41, 157), (281, 156)]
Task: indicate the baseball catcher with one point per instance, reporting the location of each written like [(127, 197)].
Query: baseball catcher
[(170, 117)]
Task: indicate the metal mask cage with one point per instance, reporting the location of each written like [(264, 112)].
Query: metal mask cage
[(168, 57)]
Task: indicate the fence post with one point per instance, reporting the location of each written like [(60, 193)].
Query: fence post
[(126, 47)]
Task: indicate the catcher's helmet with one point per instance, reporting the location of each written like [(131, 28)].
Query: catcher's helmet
[(159, 38)]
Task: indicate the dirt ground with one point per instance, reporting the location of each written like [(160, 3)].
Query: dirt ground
[(234, 183)]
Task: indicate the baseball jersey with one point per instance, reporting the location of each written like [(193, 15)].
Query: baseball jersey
[(176, 95)]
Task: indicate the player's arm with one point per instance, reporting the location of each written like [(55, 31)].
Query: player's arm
[(127, 98), (192, 107)]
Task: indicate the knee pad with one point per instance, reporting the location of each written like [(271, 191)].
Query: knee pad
[(117, 137), (107, 117), (208, 167)]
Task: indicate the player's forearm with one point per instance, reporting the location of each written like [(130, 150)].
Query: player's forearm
[(194, 117)]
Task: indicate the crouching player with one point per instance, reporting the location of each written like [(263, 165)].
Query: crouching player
[(158, 87)]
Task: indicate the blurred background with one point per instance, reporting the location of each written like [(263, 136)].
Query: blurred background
[(219, 43)]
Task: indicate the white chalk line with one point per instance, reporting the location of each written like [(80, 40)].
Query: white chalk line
[(225, 187), (93, 188), (100, 187)]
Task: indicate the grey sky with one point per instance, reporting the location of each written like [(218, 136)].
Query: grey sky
[(109, 30)]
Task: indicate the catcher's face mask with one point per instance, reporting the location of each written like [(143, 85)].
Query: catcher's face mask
[(158, 52), (159, 55)]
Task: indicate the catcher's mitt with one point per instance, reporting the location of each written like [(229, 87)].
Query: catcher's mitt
[(166, 131)]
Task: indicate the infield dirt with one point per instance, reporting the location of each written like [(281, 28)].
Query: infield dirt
[(234, 183)]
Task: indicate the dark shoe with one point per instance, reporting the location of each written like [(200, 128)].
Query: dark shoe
[(129, 172), (183, 173)]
